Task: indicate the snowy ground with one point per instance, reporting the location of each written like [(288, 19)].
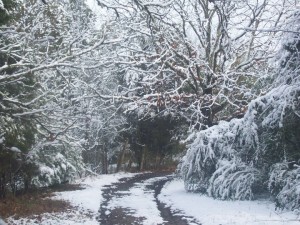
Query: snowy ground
[(140, 201), (87, 201), (213, 212)]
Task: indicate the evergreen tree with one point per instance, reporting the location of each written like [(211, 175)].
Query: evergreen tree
[(17, 132), (6, 7)]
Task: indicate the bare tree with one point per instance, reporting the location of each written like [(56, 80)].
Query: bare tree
[(197, 58)]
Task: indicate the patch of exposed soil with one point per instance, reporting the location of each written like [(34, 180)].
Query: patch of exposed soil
[(65, 187), (36, 202)]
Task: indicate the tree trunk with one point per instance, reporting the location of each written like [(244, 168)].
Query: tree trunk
[(129, 165), (104, 162), (122, 156), (2, 185), (143, 158)]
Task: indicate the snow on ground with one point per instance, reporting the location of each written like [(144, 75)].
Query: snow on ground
[(211, 212), (141, 202), (91, 198), (87, 200)]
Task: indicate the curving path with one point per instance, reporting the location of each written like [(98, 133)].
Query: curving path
[(152, 184)]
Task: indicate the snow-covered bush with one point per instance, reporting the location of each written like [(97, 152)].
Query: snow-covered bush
[(284, 184), (57, 163), (215, 163), (232, 180)]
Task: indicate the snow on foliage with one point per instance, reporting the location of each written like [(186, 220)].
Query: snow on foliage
[(236, 159), (57, 163), (237, 176), (1, 5), (15, 149), (215, 157), (285, 185)]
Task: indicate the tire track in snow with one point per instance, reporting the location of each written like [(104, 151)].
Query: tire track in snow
[(170, 217), (134, 201)]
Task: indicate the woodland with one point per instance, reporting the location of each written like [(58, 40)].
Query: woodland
[(209, 87)]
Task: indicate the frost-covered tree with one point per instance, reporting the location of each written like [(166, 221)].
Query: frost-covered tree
[(260, 152), (47, 54), (101, 129), (284, 180), (199, 58), (17, 133), (81, 93), (57, 151)]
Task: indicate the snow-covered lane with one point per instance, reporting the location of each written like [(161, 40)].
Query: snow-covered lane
[(211, 212), (90, 198), (140, 201)]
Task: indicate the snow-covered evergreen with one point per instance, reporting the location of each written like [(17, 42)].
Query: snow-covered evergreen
[(57, 162)]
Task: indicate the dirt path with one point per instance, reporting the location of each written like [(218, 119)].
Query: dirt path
[(123, 216)]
